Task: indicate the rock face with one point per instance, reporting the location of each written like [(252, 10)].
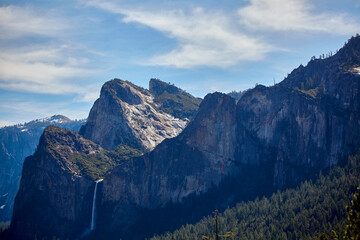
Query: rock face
[(16, 143), (128, 114), (310, 121), (179, 167), (54, 197)]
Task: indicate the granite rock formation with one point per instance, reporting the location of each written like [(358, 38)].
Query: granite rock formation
[(55, 194), (16, 143), (128, 114)]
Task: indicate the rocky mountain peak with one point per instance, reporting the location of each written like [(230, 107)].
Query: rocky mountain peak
[(55, 137), (60, 118), (127, 114), (124, 91), (73, 152)]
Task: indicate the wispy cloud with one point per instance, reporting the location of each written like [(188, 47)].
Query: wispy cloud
[(43, 70), (21, 21), (294, 15), (214, 38), (205, 38), (50, 67)]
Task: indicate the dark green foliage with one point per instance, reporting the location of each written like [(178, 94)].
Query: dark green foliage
[(301, 213), (323, 236), (352, 230)]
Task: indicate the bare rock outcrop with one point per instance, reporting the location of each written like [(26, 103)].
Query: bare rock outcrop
[(128, 114)]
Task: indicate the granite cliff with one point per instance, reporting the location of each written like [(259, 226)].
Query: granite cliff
[(57, 184), (128, 114), (16, 143), (54, 185)]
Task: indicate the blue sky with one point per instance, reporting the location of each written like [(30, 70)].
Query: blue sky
[(55, 55)]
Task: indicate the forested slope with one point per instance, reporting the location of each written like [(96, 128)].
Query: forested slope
[(301, 213)]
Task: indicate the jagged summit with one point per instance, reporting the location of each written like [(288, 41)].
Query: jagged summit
[(124, 91)]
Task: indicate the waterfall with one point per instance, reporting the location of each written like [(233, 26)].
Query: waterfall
[(93, 213)]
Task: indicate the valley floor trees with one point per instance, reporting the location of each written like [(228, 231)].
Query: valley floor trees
[(302, 213)]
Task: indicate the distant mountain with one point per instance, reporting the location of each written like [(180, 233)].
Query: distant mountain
[(271, 138), (16, 143), (131, 115)]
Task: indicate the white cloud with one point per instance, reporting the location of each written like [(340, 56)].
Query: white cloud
[(21, 21), (294, 15), (205, 38), (43, 70), (224, 39), (49, 68)]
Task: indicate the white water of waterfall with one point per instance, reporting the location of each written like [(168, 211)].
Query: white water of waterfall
[(93, 213)]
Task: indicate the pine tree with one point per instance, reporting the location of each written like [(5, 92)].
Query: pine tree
[(352, 230)]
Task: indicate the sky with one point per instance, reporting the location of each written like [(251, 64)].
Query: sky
[(55, 55)]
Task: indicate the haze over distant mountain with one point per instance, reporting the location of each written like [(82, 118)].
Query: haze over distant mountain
[(16, 143), (271, 138)]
